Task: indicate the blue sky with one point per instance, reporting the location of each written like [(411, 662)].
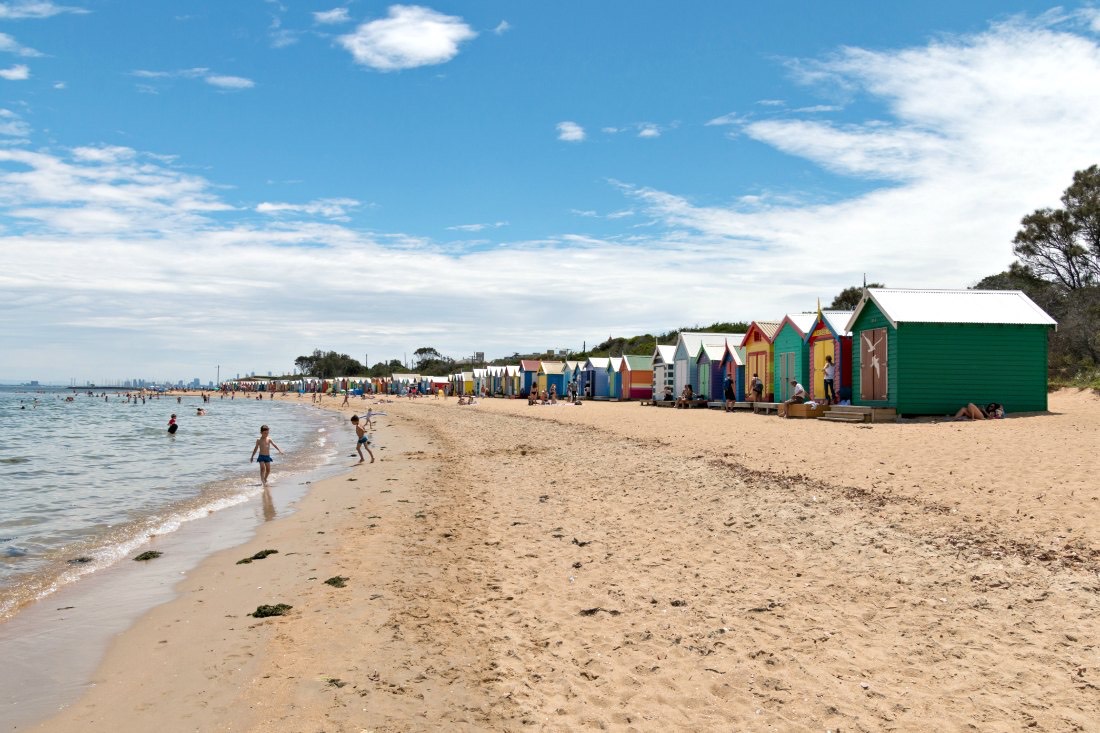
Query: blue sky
[(185, 185)]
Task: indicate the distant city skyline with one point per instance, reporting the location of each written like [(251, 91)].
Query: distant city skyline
[(242, 183)]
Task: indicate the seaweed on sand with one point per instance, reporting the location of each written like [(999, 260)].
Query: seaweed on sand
[(148, 555), (279, 609), (258, 556), (337, 581)]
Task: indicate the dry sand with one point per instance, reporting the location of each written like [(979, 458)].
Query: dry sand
[(618, 567)]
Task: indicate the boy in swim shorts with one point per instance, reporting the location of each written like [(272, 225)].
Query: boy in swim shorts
[(264, 444), (363, 441)]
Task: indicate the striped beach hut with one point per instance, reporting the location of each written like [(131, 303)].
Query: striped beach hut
[(614, 386), (929, 352), (596, 380), (636, 377), (664, 357), (829, 336), (759, 355), (733, 366), (685, 369), (789, 353)]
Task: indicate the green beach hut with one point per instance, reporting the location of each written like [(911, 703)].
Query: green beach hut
[(790, 352), (929, 352)]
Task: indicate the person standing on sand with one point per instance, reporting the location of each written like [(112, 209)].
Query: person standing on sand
[(363, 439), (264, 444)]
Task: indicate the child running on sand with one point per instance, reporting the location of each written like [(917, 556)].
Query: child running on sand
[(364, 439), (264, 444)]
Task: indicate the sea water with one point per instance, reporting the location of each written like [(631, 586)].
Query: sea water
[(86, 482)]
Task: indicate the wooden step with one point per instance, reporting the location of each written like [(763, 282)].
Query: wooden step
[(832, 416)]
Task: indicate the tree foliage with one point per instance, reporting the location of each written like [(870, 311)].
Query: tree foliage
[(328, 364), (848, 298), (1063, 245)]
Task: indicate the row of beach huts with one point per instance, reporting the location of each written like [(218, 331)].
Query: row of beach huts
[(917, 352)]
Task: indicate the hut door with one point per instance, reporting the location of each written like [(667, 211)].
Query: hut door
[(786, 369), (872, 364)]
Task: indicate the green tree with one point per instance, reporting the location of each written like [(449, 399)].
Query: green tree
[(1063, 245), (849, 298)]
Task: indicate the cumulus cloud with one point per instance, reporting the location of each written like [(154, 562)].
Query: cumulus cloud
[(331, 17), (19, 72), (35, 9), (408, 37), (570, 132), (970, 134), (648, 130), (10, 45), (502, 27)]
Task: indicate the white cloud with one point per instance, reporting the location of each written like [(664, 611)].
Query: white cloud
[(648, 130), (611, 130), (331, 17), (229, 82), (410, 36), (12, 125), (819, 108), (771, 102), (19, 72), (972, 133), (35, 9), (731, 119), (335, 208), (477, 227), (570, 132), (222, 81), (59, 85), (502, 27), (10, 45)]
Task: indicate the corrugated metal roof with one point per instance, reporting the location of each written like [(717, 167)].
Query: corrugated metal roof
[(839, 321), (636, 361), (598, 362), (529, 365), (572, 364), (714, 352), (692, 340), (667, 352), (736, 351), (802, 321), (768, 328), (614, 363), (1010, 307), (551, 367)]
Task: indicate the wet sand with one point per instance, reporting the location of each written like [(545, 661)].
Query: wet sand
[(618, 567)]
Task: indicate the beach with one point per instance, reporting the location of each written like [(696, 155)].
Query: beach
[(619, 567)]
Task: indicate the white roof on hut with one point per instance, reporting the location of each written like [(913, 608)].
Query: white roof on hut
[(692, 340), (714, 352), (839, 321), (405, 377), (614, 363), (665, 352), (1009, 307), (597, 362), (802, 321)]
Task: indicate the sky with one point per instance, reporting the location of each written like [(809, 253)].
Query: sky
[(203, 188)]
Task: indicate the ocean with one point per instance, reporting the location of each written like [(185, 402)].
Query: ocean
[(86, 483)]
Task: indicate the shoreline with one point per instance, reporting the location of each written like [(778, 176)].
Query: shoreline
[(608, 566)]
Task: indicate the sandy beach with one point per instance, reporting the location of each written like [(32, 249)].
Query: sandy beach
[(618, 567)]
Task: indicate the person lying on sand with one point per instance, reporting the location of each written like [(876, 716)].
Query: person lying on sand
[(992, 411)]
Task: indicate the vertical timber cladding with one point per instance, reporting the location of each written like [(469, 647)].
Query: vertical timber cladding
[(946, 365), (885, 392)]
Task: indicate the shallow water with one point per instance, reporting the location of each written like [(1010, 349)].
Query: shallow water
[(85, 483)]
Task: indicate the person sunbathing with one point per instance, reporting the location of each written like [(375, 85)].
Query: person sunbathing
[(992, 411)]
